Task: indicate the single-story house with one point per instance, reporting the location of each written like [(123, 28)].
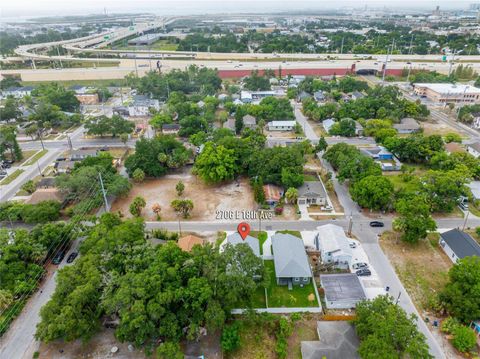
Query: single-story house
[(290, 260), (407, 125), (186, 243), (454, 147), (281, 125), (79, 89), (358, 129), (356, 95), (319, 96), (249, 122), (45, 194), (336, 340), (170, 128), (312, 193), (475, 189), (474, 149), (303, 96), (64, 166), (18, 92), (377, 153), (79, 155), (334, 246), (328, 123), (230, 124), (342, 291), (458, 245), (88, 98), (235, 239), (141, 106), (273, 194), (257, 96)]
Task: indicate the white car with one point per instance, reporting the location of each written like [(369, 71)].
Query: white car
[(359, 265)]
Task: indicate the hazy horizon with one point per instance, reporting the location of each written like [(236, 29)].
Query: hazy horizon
[(29, 8)]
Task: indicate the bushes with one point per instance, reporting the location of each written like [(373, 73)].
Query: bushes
[(165, 235), (464, 339), (169, 350), (230, 340), (42, 212)]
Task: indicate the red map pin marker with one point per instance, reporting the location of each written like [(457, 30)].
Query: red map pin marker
[(243, 229)]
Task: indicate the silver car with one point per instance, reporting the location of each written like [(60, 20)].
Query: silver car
[(359, 265)]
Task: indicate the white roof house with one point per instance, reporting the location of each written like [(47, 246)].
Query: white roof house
[(328, 123), (475, 188), (334, 246), (281, 125)]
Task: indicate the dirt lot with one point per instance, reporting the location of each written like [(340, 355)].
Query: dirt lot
[(279, 134), (437, 128), (207, 199)]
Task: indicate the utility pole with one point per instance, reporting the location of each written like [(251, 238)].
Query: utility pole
[(398, 298), (451, 62), (341, 47), (350, 224), (465, 222), (103, 192), (39, 170)]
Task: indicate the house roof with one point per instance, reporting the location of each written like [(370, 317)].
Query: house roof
[(328, 123), (336, 340), (65, 165), (332, 238), (318, 94), (407, 123), (81, 153), (475, 146), (282, 123), (475, 188), (45, 194), (171, 126), (230, 124), (461, 243), (46, 182), (186, 243), (289, 256), (252, 242), (357, 94), (311, 189), (249, 120), (272, 192), (342, 287)]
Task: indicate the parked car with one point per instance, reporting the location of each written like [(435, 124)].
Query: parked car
[(352, 245), (376, 224), (72, 257), (365, 272), (58, 258), (359, 265)]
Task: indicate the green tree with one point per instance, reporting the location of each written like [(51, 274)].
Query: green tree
[(344, 127), (464, 338), (182, 206), (179, 187), (169, 350), (138, 175), (321, 145), (8, 143), (57, 95), (373, 192), (291, 195), (255, 82), (386, 331), (115, 125), (11, 110), (414, 220), (137, 205), (230, 340), (460, 295), (216, 163), (29, 186)]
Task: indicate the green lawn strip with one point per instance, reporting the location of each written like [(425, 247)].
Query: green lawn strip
[(34, 158), (293, 233), (309, 177), (262, 237), (11, 177), (26, 155), (280, 296)]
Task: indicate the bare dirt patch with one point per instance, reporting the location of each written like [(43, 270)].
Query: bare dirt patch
[(437, 128), (207, 199)]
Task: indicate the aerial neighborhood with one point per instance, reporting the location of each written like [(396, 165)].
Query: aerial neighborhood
[(293, 184)]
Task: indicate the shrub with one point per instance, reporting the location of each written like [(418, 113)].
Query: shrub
[(169, 350), (29, 186), (165, 235), (464, 338), (138, 175), (230, 340), (449, 324)]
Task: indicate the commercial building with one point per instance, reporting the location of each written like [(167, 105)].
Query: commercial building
[(448, 93)]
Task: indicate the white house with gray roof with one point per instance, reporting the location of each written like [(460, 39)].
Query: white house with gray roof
[(458, 245), (334, 246), (290, 260), (235, 239), (474, 149), (312, 193)]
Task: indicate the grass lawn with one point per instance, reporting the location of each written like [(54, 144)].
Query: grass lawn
[(422, 268), (280, 296), (293, 233), (26, 155), (399, 183), (307, 177), (164, 45), (262, 237), (11, 177), (34, 158)]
